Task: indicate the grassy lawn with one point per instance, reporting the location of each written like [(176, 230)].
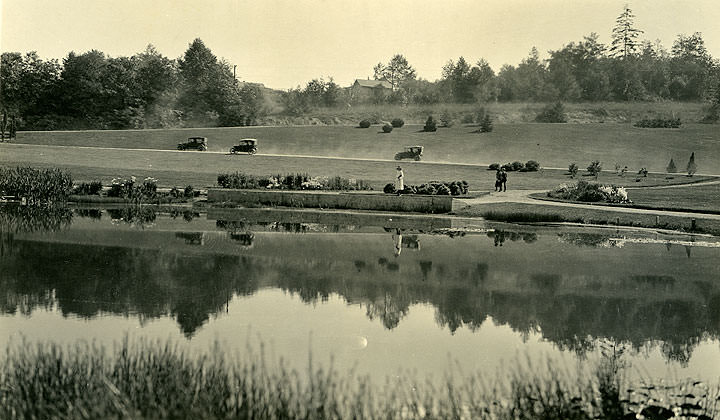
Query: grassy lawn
[(700, 197), (545, 212), (201, 169), (553, 145)]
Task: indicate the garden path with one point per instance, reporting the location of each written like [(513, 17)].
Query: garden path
[(523, 196)]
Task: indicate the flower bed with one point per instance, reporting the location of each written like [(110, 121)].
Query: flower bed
[(590, 192), (239, 180), (432, 188)]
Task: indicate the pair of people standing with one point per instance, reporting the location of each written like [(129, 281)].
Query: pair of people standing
[(501, 180)]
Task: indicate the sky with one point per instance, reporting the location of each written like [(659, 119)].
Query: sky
[(286, 43)]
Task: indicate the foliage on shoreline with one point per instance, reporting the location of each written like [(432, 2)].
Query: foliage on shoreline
[(239, 180), (158, 380)]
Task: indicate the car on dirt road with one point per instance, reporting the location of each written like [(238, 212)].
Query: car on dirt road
[(248, 146), (410, 152), (194, 143)]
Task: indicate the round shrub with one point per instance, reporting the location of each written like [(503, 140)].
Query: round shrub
[(552, 113), (389, 189), (365, 124), (517, 165), (397, 122), (430, 124), (387, 128), (532, 166), (494, 167)]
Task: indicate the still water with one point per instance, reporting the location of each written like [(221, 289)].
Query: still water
[(378, 295)]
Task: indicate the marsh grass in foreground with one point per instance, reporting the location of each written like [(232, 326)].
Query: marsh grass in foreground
[(157, 380)]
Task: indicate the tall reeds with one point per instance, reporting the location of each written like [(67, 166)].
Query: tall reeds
[(36, 186), (156, 380)]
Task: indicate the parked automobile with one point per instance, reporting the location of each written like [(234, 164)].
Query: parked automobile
[(194, 143), (410, 152), (248, 146)]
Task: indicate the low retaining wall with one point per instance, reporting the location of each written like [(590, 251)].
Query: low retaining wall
[(334, 200)]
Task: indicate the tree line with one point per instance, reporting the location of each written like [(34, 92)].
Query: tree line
[(149, 90)]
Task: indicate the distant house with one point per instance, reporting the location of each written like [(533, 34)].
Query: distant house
[(365, 90)]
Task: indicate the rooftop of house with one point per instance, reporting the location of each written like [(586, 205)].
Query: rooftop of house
[(373, 83)]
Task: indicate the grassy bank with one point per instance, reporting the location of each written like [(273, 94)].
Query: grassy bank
[(156, 380), (547, 213)]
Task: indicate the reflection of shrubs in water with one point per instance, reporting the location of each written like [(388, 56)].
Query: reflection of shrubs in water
[(411, 242), (392, 266), (500, 236), (191, 238), (136, 215), (89, 213), (546, 282), (187, 215), (14, 218), (425, 268), (593, 240), (244, 238)]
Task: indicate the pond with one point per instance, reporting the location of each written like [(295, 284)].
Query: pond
[(380, 295)]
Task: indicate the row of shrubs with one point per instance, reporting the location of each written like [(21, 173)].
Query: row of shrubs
[(431, 124), (395, 123), (529, 166), (590, 192), (432, 188), (659, 123), (36, 186), (239, 180)]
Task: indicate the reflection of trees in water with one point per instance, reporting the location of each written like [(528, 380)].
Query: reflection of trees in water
[(87, 280)]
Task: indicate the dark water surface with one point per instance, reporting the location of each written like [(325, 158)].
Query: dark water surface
[(378, 294)]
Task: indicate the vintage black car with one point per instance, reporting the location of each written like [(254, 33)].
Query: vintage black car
[(194, 143), (410, 152), (248, 146)]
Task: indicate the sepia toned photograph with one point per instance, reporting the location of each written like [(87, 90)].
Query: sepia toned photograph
[(373, 209)]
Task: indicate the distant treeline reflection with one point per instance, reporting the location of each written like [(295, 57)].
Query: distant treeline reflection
[(87, 280)]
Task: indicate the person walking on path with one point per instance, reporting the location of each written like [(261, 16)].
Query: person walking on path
[(503, 179), (498, 182), (400, 180)]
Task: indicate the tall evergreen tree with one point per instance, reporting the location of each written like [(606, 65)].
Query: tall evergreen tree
[(691, 166), (625, 41)]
